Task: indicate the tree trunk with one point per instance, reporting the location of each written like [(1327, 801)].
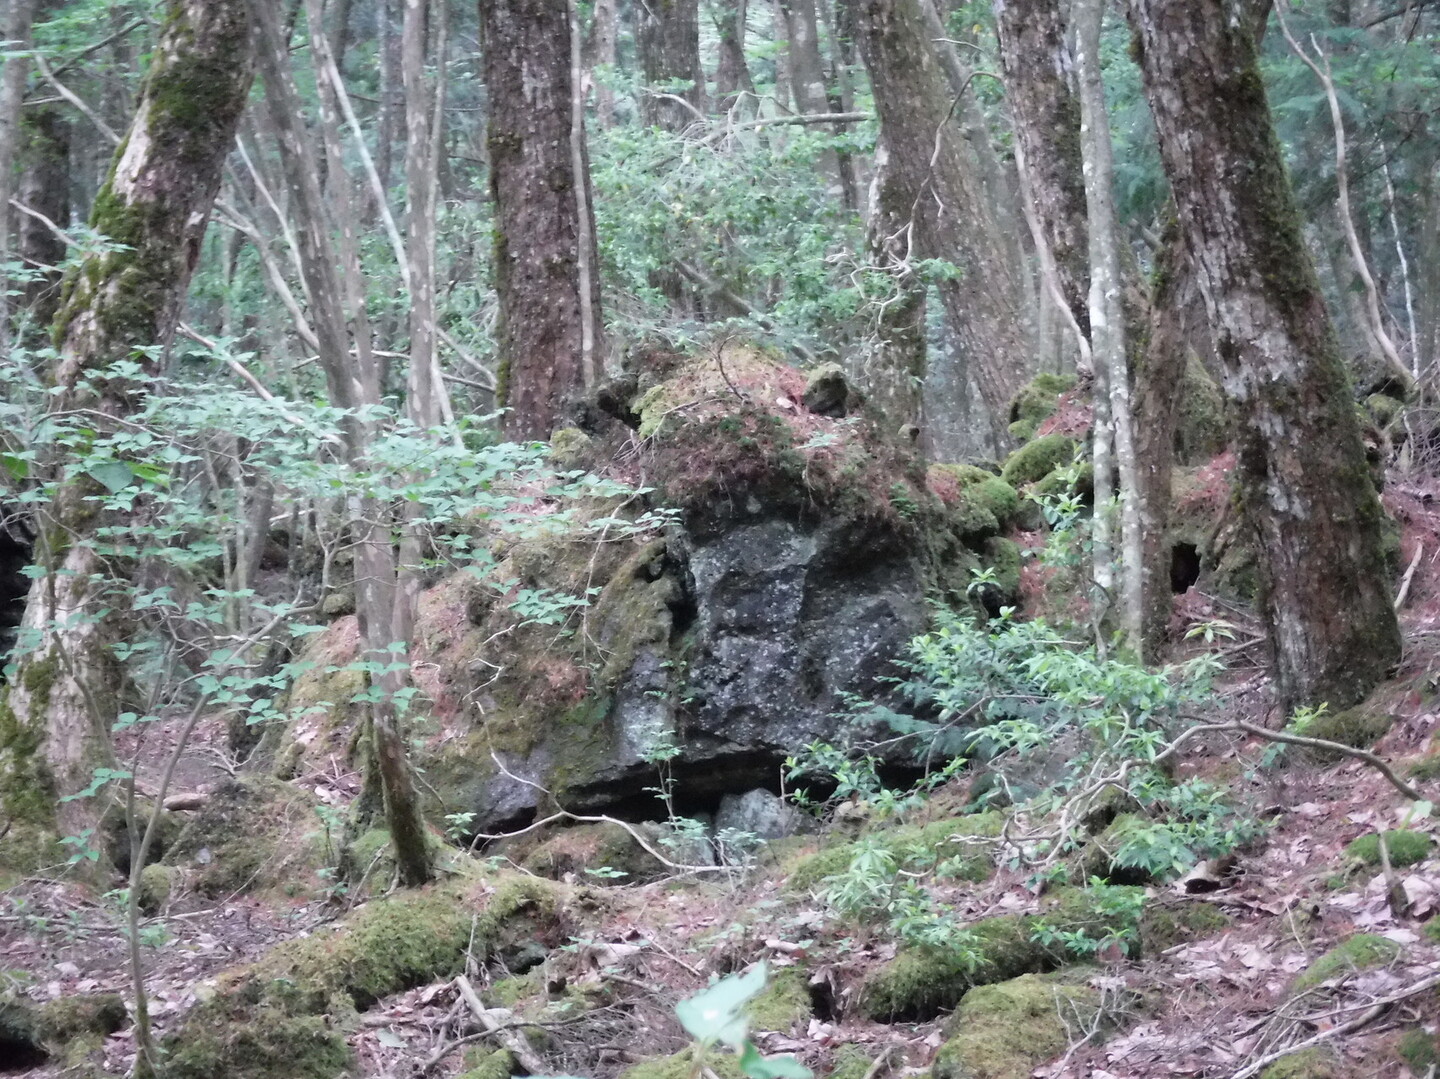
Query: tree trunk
[(950, 218), (20, 14), (894, 372), (1159, 375), (667, 36), (538, 226), (330, 267), (45, 188), (65, 694), (602, 52), (1107, 330), (1303, 480), (732, 73), (1039, 77)]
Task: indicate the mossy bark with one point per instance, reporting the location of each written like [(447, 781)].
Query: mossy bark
[(1303, 479), (117, 305)]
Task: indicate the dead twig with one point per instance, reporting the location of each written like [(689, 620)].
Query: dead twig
[(495, 1021), (1375, 1009)]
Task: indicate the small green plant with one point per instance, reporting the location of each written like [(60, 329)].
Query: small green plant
[(716, 1016), (457, 825)]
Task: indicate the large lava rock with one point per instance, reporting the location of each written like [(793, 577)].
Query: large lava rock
[(796, 566)]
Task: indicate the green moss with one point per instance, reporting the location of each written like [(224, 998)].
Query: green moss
[(784, 1003), (509, 992), (286, 1014), (156, 882), (1383, 410), (1201, 426), (683, 1065), (87, 1017), (1361, 952), (1419, 1050), (914, 846), (1036, 460), (568, 447), (1359, 727), (594, 846), (492, 1064), (1427, 768), (918, 984), (1003, 555), (1036, 402), (851, 1062), (1005, 1031), (254, 834), (1163, 927), (1404, 847), (1314, 1063)]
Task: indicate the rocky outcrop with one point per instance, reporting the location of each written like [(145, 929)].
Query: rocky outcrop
[(791, 567)]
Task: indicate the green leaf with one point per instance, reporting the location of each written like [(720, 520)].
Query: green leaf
[(114, 475), (18, 467), (758, 1067), (715, 1014)]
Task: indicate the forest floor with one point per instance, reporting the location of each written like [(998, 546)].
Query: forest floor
[(1209, 1007)]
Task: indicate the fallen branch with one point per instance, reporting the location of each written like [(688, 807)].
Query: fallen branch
[(564, 814), (495, 1021), (1332, 747), (1369, 1015), (1404, 591)]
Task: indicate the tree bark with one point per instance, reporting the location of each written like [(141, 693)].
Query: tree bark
[(538, 225), (1039, 86), (65, 694), (1303, 480), (732, 73), (1107, 337), (1160, 367), (667, 36), (44, 187), (949, 216), (20, 15), (602, 52)]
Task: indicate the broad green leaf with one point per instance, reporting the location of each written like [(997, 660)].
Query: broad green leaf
[(114, 475)]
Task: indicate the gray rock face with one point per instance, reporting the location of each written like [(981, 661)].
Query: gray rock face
[(776, 621), (761, 814)]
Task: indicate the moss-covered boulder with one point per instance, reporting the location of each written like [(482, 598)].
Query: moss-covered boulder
[(1201, 428), (286, 1016), (1164, 925), (978, 504), (954, 845), (65, 1030), (1363, 951), (600, 853), (1403, 846), (920, 983), (157, 882), (1006, 1030), (1359, 727), (1036, 402), (1035, 460), (253, 834), (785, 1003)]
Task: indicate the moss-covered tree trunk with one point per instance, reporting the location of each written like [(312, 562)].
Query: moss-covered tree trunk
[(1304, 484), (541, 219), (948, 216), (58, 709)]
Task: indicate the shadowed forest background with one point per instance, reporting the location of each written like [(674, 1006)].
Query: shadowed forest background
[(699, 538)]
